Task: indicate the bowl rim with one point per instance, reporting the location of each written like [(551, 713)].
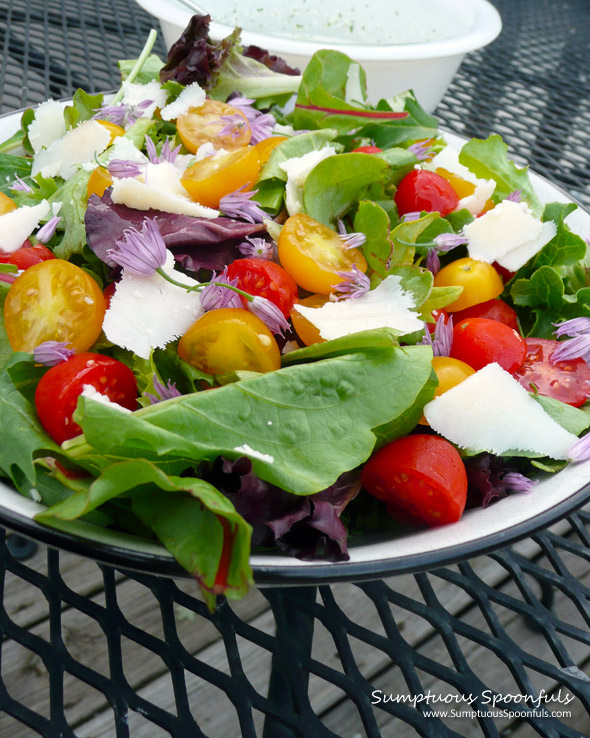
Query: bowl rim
[(486, 26)]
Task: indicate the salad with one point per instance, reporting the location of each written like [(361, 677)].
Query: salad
[(243, 309)]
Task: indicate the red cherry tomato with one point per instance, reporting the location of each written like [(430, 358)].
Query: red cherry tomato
[(481, 341), (436, 314), (495, 309), (568, 381), (27, 255), (421, 478), (57, 393), (367, 150), (265, 279), (503, 272), (108, 293), (424, 190)]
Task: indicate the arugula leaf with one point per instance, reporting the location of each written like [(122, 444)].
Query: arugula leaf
[(565, 248), (488, 159), (25, 373), (82, 108), (278, 420), (573, 419)]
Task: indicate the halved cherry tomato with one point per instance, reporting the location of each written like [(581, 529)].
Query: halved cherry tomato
[(367, 150), (306, 331), (205, 123), (7, 204), (210, 179), (449, 372), (313, 254), (108, 293), (58, 390), (54, 300), (495, 309), (463, 187), (503, 272), (481, 341), (265, 279), (98, 182), (421, 478), (113, 129), (424, 190), (568, 381), (227, 340), (267, 146), (480, 282), (27, 255)]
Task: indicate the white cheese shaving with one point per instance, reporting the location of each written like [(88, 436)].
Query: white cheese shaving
[(491, 411), (387, 306), (17, 225), (509, 234), (149, 312), (78, 146), (164, 177), (141, 196), (35, 495), (124, 148), (134, 94), (193, 96), (448, 158), (89, 390), (245, 449), (48, 126), (297, 169)]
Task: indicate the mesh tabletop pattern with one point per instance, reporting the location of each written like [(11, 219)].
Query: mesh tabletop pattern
[(95, 652)]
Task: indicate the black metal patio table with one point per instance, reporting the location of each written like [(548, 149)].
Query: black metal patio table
[(532, 86)]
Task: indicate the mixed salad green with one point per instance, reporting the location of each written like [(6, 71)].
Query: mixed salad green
[(234, 322)]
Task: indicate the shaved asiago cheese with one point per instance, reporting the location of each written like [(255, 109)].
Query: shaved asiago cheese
[(491, 411), (123, 148), (387, 306), (508, 234), (134, 94), (89, 390), (448, 159), (164, 177), (193, 96), (48, 126), (148, 312), (78, 146), (17, 225), (297, 168), (141, 196)]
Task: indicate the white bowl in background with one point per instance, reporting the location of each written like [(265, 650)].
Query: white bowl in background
[(402, 44)]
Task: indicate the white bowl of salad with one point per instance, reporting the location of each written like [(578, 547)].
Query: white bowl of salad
[(250, 335), (401, 45)]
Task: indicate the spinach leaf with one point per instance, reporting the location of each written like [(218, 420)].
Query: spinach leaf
[(82, 108), (10, 167)]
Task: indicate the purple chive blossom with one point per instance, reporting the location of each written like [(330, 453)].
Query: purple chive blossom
[(214, 296), (261, 124), (120, 168), (517, 482), (442, 243), (356, 284), (234, 125), (432, 261), (50, 353), (163, 392), (515, 196), (20, 186), (421, 150), (351, 240), (578, 345), (140, 253), (257, 248), (580, 451), (122, 114), (239, 204), (408, 217), (166, 154), (269, 313), (45, 233), (441, 339)]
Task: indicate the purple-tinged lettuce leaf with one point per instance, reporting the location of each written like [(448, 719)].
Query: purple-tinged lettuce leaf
[(303, 527), (194, 57), (197, 243), (273, 62)]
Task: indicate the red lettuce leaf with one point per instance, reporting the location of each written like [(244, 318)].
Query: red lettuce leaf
[(190, 239), (484, 479), (273, 62), (304, 527)]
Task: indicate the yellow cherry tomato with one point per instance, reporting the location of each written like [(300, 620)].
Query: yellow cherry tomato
[(267, 146), (307, 331), (206, 123), (312, 253), (112, 128), (480, 282), (98, 182), (53, 301), (210, 179), (449, 372), (227, 340), (7, 204), (463, 187)]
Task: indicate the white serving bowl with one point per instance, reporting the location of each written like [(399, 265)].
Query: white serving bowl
[(402, 44)]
